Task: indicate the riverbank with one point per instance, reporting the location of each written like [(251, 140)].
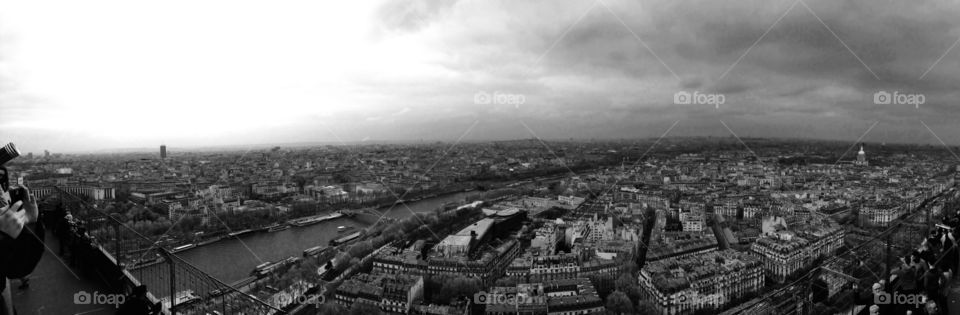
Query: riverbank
[(231, 259), (304, 222)]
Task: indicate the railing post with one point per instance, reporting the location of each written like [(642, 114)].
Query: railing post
[(886, 273), (117, 251), (173, 280)]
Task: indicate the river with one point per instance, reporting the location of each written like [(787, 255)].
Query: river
[(233, 259)]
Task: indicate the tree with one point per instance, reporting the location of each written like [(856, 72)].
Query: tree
[(433, 288), (631, 268), (308, 270), (301, 181), (332, 309), (285, 281), (301, 208), (558, 188), (619, 303), (342, 261), (442, 289), (142, 213), (360, 249), (628, 285), (646, 307), (463, 286), (506, 282), (360, 308), (122, 194)]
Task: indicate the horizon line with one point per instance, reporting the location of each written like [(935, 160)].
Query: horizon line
[(233, 147)]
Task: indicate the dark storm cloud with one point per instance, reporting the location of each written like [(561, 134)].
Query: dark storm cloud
[(574, 64)]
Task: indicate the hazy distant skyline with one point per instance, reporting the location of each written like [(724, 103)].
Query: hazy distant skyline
[(81, 76)]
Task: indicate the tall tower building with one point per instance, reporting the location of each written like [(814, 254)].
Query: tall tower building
[(163, 151)]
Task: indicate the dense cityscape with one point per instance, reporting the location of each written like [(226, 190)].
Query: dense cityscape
[(691, 226), (479, 157)]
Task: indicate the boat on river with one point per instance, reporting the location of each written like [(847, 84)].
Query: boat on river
[(183, 248), (315, 220), (278, 227), (346, 239), (238, 233), (313, 250)]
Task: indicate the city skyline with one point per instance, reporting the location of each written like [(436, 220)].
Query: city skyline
[(739, 225), (869, 145), (385, 71)]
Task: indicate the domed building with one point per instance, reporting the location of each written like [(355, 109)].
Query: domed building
[(861, 158)]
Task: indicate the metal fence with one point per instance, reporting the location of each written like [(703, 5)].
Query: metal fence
[(178, 286)]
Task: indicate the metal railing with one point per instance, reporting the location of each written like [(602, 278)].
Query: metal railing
[(177, 285)]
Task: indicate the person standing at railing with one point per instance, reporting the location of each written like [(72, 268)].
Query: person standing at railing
[(137, 303), (906, 276), (932, 308), (949, 256), (954, 224), (82, 246), (934, 283), (63, 232), (926, 253)]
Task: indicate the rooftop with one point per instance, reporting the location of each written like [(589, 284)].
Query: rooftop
[(675, 274), (456, 240), (480, 227)]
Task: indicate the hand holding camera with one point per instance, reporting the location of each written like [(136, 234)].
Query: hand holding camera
[(22, 194), (12, 219)]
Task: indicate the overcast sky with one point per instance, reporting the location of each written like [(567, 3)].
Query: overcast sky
[(79, 75)]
